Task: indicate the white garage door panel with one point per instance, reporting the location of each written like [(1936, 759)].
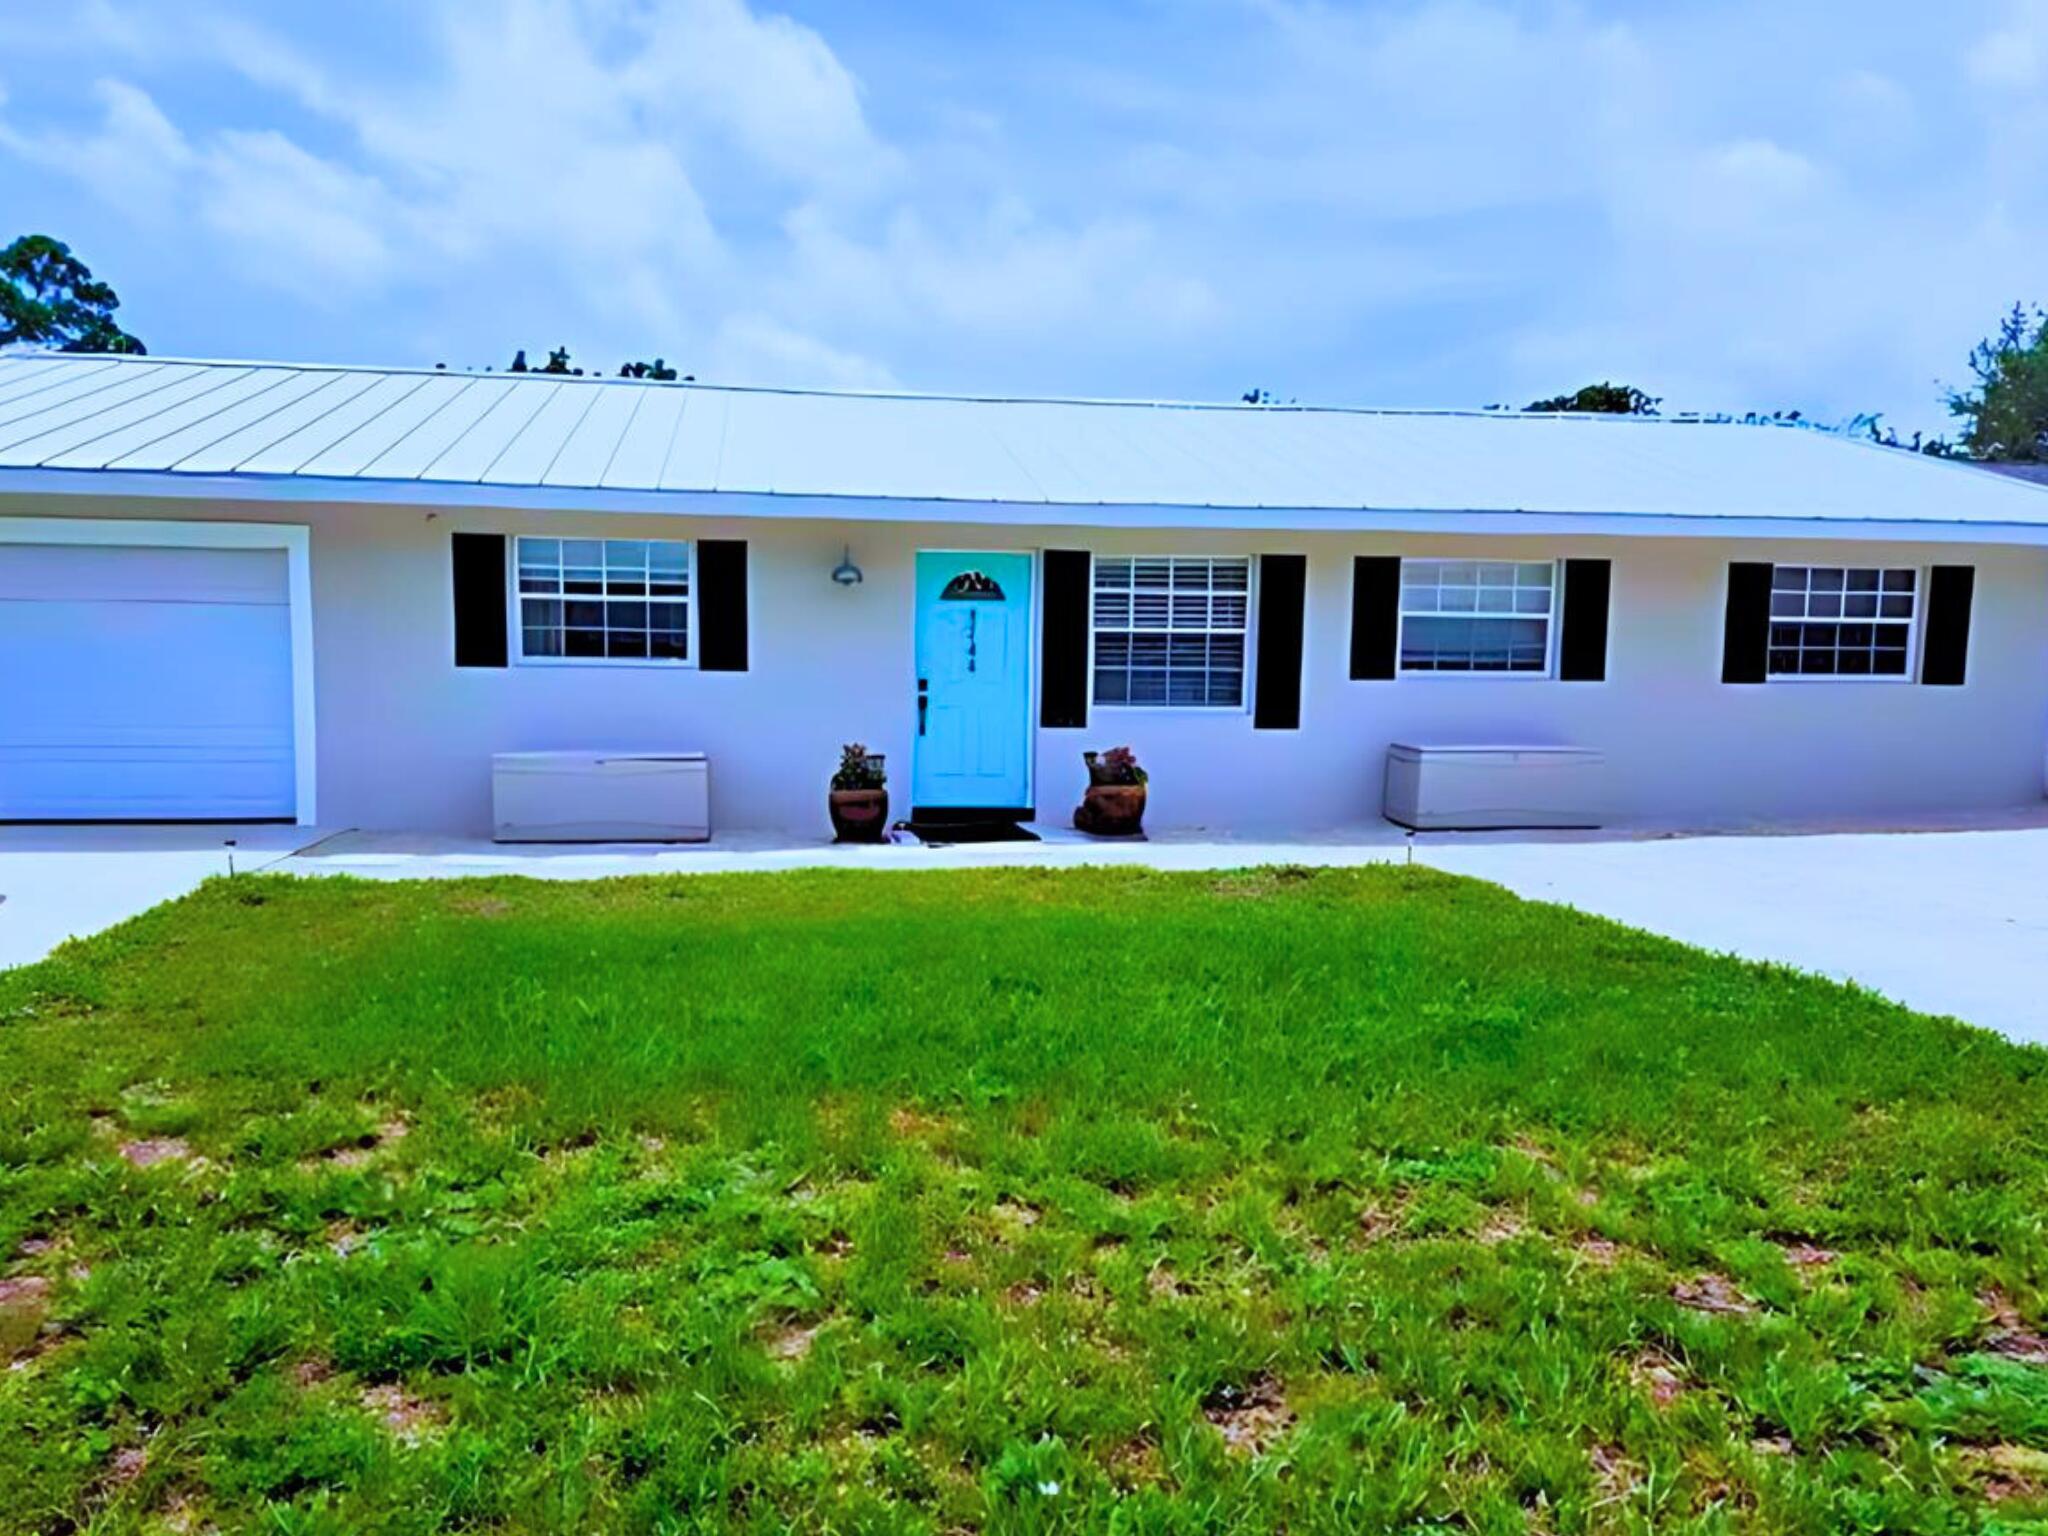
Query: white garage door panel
[(50, 572), (144, 684)]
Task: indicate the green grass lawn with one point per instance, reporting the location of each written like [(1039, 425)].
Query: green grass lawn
[(1007, 1201)]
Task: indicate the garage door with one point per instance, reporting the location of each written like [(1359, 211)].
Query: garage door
[(144, 684)]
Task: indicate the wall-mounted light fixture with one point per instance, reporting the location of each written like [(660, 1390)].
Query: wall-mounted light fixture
[(846, 573)]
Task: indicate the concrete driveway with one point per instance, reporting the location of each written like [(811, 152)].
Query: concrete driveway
[(1947, 922), (1950, 921), (61, 882)]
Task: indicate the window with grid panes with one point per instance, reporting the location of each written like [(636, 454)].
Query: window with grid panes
[(604, 600), (1170, 630), (1842, 620), (1477, 615)]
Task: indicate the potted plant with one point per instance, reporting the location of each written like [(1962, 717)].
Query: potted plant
[(1114, 805), (859, 801)]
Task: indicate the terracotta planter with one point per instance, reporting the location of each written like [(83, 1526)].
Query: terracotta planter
[(859, 815), (1112, 810)]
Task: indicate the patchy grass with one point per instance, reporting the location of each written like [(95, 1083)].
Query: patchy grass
[(1017, 1201)]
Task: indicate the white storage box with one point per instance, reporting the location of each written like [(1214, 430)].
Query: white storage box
[(1473, 789), (600, 797)]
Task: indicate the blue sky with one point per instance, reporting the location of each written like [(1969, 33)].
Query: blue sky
[(1743, 205)]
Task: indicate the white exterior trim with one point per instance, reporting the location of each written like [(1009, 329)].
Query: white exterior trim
[(1247, 699), (296, 542), (1553, 621), (275, 490)]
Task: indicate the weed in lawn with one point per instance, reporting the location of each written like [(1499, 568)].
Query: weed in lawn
[(151, 1150), (1250, 1416)]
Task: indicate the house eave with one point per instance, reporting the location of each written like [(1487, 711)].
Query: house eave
[(284, 490)]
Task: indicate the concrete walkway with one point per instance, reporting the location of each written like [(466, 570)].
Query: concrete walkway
[(413, 856), (62, 882), (1948, 920)]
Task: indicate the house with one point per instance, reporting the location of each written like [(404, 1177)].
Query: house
[(239, 590)]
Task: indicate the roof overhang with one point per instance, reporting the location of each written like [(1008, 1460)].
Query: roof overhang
[(283, 490)]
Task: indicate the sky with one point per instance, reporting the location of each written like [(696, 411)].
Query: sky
[(1742, 205)]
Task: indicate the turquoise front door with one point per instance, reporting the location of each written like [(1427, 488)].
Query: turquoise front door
[(973, 681)]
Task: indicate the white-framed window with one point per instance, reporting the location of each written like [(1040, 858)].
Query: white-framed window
[(1478, 616), (1843, 620), (585, 600), (1170, 630)]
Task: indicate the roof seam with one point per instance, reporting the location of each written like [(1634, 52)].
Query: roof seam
[(625, 431), (142, 447), (287, 436), (574, 427), (675, 432), (113, 380), (32, 387), (254, 422), (171, 381), (399, 441), (484, 475), (350, 432)]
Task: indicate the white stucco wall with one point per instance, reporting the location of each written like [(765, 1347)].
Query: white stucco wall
[(405, 737)]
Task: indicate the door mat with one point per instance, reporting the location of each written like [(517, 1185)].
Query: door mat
[(937, 834)]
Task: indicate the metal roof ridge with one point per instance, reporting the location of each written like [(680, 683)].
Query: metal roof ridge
[(1486, 413)]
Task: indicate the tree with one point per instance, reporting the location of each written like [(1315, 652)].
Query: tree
[(1602, 399), (48, 297), (1888, 437), (558, 362), (2007, 411), (655, 370)]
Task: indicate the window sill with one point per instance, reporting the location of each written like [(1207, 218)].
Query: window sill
[(1838, 677), (1418, 676), (608, 663), (1171, 709)]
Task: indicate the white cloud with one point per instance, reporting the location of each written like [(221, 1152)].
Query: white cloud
[(1750, 192), (308, 225), (753, 349), (134, 155), (536, 141), (564, 153), (1001, 275), (304, 224), (1439, 201), (767, 85), (2013, 55)]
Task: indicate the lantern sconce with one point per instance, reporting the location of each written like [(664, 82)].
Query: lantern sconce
[(846, 573)]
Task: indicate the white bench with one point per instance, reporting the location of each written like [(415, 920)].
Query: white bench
[(600, 797), (1483, 788)]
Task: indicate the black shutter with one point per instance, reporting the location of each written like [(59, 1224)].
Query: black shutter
[(1746, 635), (722, 605), (1582, 648), (479, 565), (1375, 615), (1283, 583), (1063, 640), (1945, 660)]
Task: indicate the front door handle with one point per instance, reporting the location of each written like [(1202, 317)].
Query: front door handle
[(923, 702)]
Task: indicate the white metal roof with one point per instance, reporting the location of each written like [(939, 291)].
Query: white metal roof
[(438, 436)]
